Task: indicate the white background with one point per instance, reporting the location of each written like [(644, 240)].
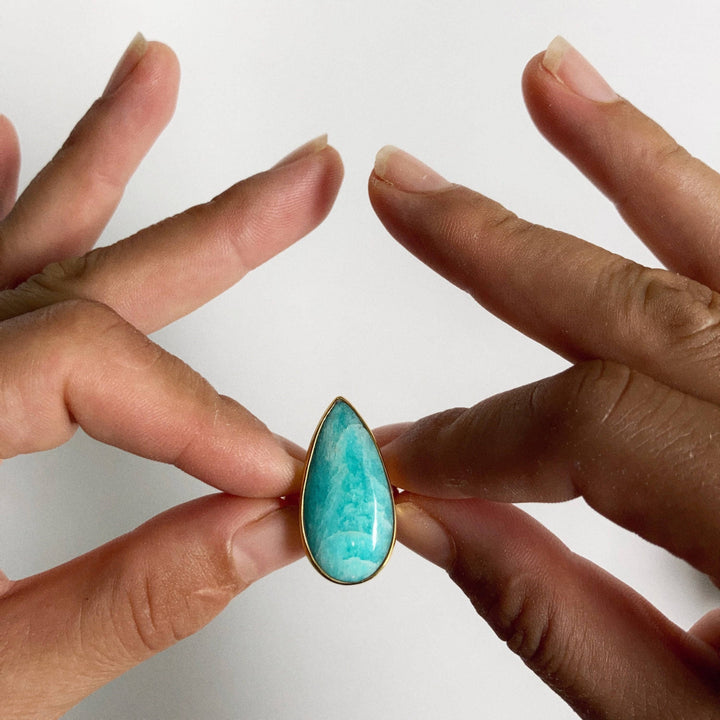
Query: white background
[(346, 311)]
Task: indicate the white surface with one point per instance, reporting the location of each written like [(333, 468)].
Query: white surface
[(344, 311)]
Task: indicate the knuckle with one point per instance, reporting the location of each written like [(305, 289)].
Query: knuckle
[(91, 324), (80, 321), (580, 400), (666, 150), (606, 396), (594, 399), (658, 155), (42, 352), (80, 333), (151, 614), (670, 310), (471, 218), (151, 610), (57, 278), (56, 283), (489, 220), (598, 413), (524, 615)]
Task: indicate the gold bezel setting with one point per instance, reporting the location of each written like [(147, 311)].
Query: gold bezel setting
[(308, 463)]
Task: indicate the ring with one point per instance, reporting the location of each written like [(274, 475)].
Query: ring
[(347, 508)]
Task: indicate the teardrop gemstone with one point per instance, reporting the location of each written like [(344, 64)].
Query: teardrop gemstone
[(347, 511)]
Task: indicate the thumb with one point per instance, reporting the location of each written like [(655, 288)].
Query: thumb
[(70, 630), (593, 640)]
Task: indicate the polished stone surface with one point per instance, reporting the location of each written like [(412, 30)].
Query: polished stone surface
[(347, 507)]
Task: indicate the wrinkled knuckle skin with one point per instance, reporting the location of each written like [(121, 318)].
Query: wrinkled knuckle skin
[(577, 403), (92, 324), (79, 314), (81, 323), (640, 163), (524, 615), (44, 351), (593, 407), (57, 282), (152, 609), (152, 625), (479, 220), (670, 311), (85, 333)]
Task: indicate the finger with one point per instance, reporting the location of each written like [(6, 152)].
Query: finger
[(596, 642), (165, 271), (707, 629), (65, 208), (576, 298), (79, 363), (9, 165), (642, 454), (667, 196), (70, 630)]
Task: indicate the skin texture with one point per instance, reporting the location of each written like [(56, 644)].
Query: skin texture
[(631, 426), (74, 353)]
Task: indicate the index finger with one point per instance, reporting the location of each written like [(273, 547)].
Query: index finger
[(574, 297), (79, 363)]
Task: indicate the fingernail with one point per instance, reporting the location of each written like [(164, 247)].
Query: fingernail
[(573, 70), (130, 58), (266, 544), (407, 173), (425, 535), (309, 148)]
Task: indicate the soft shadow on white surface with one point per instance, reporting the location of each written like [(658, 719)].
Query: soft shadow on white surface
[(346, 311)]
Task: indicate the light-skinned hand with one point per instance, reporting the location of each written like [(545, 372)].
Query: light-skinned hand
[(74, 352), (632, 426)]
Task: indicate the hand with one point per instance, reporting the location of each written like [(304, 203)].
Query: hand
[(632, 426), (74, 351)]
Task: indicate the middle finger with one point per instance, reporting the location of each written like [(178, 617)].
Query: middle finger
[(168, 270)]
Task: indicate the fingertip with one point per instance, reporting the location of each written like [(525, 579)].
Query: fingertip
[(303, 191), (388, 433), (165, 55), (565, 68), (8, 134), (565, 95), (544, 97), (148, 73), (266, 544), (9, 165), (424, 533), (535, 78), (335, 162), (159, 72), (333, 178)]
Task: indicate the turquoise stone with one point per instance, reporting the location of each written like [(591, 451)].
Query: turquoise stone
[(347, 508)]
